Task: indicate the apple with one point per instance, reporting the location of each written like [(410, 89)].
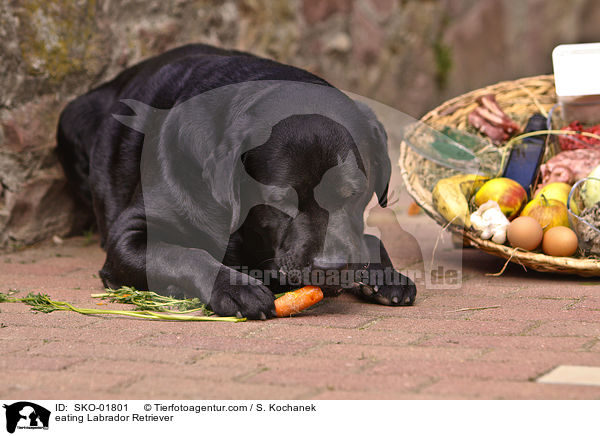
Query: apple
[(549, 213), (590, 190), (509, 195), (558, 191)]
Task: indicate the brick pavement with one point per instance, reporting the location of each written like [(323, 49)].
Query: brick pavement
[(340, 349)]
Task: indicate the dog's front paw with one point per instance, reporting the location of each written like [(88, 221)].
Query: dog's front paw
[(251, 300), (390, 295)]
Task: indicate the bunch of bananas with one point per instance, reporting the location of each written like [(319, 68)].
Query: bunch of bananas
[(451, 197)]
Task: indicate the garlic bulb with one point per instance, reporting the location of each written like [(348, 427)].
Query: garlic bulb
[(490, 222)]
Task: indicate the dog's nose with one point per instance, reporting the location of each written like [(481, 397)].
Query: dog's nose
[(329, 264)]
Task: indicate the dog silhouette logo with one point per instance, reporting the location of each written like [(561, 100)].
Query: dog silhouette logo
[(26, 415)]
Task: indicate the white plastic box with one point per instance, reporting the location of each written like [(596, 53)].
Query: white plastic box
[(577, 80)]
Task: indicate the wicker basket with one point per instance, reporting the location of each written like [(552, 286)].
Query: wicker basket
[(519, 99)]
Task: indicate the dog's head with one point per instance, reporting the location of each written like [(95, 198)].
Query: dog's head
[(287, 166), (313, 219)]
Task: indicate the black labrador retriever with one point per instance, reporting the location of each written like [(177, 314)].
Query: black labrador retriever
[(274, 168)]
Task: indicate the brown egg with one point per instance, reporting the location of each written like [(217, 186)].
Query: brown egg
[(525, 232), (560, 241)]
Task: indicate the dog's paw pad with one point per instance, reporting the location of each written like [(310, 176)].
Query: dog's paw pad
[(243, 301), (390, 295)]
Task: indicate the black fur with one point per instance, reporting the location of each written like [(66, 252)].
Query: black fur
[(101, 158)]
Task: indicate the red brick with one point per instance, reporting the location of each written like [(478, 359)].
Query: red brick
[(280, 362), (571, 290), (344, 379), (475, 370), (339, 319), (433, 326), (530, 357), (285, 332), (473, 289), (532, 314), (110, 334), (567, 328), (188, 388), (380, 352), (22, 362), (336, 394), (64, 393), (509, 390), (13, 381), (58, 287), (198, 370), (461, 302), (49, 267), (591, 303), (133, 352), (212, 328), (227, 344), (340, 349), (8, 346), (513, 342), (45, 320), (7, 308), (517, 280)]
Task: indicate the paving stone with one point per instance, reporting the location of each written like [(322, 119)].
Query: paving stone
[(286, 332), (340, 349), (567, 328), (591, 303), (408, 353), (72, 393), (571, 290), (526, 342), (193, 369), (473, 370), (509, 390), (555, 358), (463, 302), (335, 394), (281, 362), (437, 326), (62, 382), (133, 352), (227, 344), (8, 346), (20, 362), (533, 314), (345, 379), (97, 333), (573, 375), (44, 320), (186, 388)]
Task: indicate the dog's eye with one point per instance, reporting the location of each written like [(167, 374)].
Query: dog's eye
[(347, 192), (284, 199)]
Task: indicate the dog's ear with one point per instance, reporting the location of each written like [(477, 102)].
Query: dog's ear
[(145, 117), (378, 150)]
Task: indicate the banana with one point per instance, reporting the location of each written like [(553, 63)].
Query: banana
[(451, 197)]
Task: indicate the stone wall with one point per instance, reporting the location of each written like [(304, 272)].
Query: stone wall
[(410, 54)]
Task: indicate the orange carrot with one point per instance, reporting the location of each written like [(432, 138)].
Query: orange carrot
[(298, 300), (414, 209)]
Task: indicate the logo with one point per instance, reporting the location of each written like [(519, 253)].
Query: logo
[(26, 415)]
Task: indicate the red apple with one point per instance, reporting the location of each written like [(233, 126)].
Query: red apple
[(509, 195), (549, 213)]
